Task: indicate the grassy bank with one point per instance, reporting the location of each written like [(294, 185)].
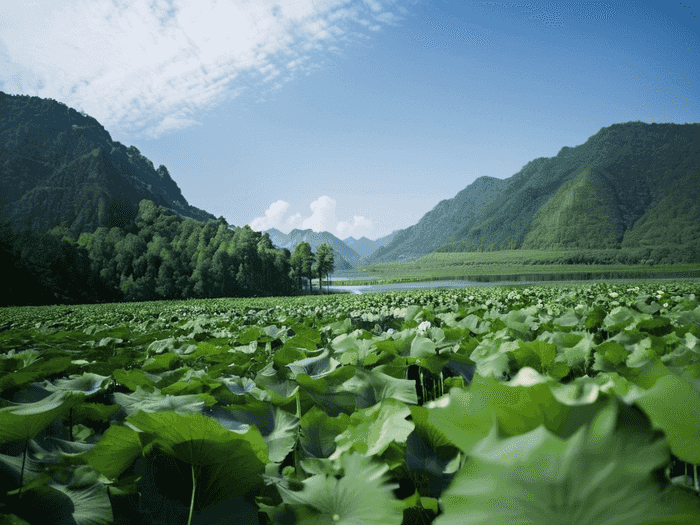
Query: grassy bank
[(516, 265)]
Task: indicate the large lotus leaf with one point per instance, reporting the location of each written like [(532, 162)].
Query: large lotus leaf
[(34, 371), (157, 402), (87, 383), (465, 417), (116, 450), (599, 476), (77, 498), (318, 366), (360, 496), (422, 347), (491, 357), (94, 412), (567, 320), (161, 363), (535, 354), (282, 439), (225, 463), (521, 324), (373, 429), (673, 405), (430, 470), (278, 427), (371, 386), (573, 348), (474, 324), (622, 317), (133, 379), (318, 432), (27, 420), (329, 391)]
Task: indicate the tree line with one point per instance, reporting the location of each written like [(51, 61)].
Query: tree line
[(160, 256)]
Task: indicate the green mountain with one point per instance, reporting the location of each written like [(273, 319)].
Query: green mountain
[(629, 185), (441, 224), (366, 247), (345, 257), (61, 167)]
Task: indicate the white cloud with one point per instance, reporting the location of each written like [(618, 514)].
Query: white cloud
[(272, 218), (360, 227), (151, 67), (322, 218), (293, 221)]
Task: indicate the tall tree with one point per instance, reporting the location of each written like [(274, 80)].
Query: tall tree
[(325, 263), (303, 262)]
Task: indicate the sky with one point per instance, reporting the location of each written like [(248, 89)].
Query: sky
[(352, 117)]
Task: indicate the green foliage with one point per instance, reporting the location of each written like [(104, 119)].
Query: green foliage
[(479, 405)]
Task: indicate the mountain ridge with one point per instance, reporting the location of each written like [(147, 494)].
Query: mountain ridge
[(61, 167), (601, 193)]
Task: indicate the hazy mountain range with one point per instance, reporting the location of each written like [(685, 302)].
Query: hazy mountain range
[(629, 185), (348, 253)]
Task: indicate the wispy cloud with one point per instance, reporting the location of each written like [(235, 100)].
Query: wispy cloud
[(322, 218), (150, 68)]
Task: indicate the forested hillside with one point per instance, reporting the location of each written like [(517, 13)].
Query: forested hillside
[(61, 167), (629, 185), (163, 256)]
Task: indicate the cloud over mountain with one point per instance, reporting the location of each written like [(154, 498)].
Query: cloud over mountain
[(322, 218)]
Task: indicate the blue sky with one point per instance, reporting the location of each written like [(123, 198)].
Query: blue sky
[(354, 117)]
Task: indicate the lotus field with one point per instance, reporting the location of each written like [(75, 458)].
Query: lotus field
[(555, 404)]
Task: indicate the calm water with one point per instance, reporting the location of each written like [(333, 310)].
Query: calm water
[(466, 284)]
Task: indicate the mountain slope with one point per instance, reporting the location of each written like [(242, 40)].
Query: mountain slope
[(345, 257), (59, 166), (616, 177), (440, 225), (366, 247), (631, 184)]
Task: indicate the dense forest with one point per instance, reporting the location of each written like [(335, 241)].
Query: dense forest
[(161, 255)]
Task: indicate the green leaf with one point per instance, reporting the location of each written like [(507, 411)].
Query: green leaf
[(318, 432), (596, 477), (157, 402), (87, 383), (230, 463), (360, 496), (372, 429), (35, 371), (132, 379), (673, 405), (612, 351), (27, 420), (116, 450)]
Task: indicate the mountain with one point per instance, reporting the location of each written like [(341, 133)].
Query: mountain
[(345, 257), (440, 225), (629, 185), (59, 166), (366, 247)]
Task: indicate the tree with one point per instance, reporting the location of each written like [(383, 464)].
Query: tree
[(325, 263), (303, 262)]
